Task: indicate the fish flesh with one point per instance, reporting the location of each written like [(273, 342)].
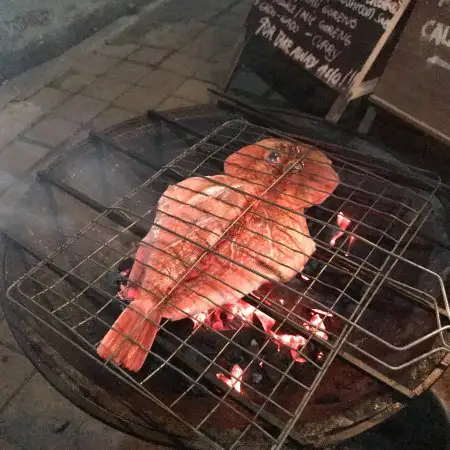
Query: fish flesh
[(216, 239)]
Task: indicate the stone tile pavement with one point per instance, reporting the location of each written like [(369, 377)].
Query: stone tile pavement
[(166, 57)]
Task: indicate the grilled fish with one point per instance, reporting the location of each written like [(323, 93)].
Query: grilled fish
[(216, 239)]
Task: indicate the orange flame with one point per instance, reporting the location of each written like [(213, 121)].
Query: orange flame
[(235, 381)]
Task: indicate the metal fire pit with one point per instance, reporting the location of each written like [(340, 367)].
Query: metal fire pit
[(382, 281)]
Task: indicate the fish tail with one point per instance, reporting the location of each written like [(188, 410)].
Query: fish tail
[(129, 340)]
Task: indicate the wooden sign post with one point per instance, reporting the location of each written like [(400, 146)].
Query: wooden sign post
[(336, 40), (416, 83)]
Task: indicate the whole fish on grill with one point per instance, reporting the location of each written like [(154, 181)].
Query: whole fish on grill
[(216, 239)]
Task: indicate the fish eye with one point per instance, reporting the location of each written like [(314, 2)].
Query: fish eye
[(273, 157)]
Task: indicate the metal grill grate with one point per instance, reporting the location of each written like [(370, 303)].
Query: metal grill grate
[(344, 278)]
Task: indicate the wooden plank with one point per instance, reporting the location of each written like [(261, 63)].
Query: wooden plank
[(416, 83)]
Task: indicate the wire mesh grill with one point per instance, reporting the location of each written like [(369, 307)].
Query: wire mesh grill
[(366, 241)]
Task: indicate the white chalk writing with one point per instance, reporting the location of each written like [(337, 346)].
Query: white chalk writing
[(383, 20), (334, 77), (314, 3), (436, 33), (267, 9), (325, 30), (340, 17), (290, 24), (283, 41), (329, 49), (385, 5), (288, 6), (266, 29), (306, 16), (358, 7), (438, 62), (305, 57), (335, 33)]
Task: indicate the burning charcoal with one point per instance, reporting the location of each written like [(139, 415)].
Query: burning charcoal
[(235, 380)]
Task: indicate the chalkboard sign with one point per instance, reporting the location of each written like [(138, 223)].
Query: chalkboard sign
[(416, 82), (335, 40)]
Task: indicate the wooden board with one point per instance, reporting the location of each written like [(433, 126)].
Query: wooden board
[(416, 82), (336, 40)]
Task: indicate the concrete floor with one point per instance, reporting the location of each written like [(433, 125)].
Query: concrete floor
[(34, 31)]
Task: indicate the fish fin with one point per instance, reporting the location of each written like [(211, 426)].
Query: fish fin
[(129, 340)]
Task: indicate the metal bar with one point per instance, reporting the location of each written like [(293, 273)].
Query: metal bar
[(159, 117), (76, 281), (182, 131), (339, 348), (91, 203), (169, 347), (98, 137)]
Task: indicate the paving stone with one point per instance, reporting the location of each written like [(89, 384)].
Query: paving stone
[(174, 103), (162, 81), (149, 56), (6, 180), (174, 35), (202, 48), (212, 72), (231, 21), (72, 81), (95, 64), (110, 117), (80, 109), (184, 64), (224, 35), (15, 118), (12, 363), (20, 156), (129, 72), (48, 98), (195, 91), (106, 89), (242, 8), (117, 51), (6, 336), (52, 131), (40, 416), (225, 56), (5, 445), (96, 435), (140, 100), (210, 42)]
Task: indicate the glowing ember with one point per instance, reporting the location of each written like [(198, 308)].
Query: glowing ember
[(343, 223), (316, 324), (292, 341), (266, 321), (235, 381), (220, 319)]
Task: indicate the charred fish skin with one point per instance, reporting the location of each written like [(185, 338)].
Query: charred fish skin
[(216, 239)]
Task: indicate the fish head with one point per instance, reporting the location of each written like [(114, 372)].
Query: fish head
[(294, 174)]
